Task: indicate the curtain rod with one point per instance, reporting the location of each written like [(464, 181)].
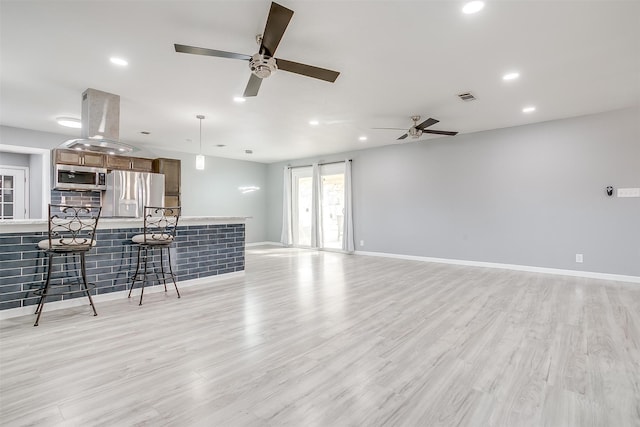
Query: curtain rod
[(319, 164)]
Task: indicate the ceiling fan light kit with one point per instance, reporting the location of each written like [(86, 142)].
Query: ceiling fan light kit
[(262, 66)]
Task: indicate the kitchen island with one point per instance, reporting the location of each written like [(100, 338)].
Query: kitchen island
[(204, 246)]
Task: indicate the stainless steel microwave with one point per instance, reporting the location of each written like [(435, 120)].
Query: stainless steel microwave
[(80, 178)]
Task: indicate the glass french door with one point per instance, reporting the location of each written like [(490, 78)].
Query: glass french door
[(331, 208), (12, 193), (301, 200), (332, 211)]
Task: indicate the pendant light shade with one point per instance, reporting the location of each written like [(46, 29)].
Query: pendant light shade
[(200, 162), (200, 157)]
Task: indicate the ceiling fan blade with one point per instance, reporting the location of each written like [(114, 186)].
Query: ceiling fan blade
[(210, 52), (253, 86), (440, 132), (403, 136), (427, 123), (307, 70), (277, 22)]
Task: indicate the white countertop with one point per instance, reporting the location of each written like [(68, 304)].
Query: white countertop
[(27, 225)]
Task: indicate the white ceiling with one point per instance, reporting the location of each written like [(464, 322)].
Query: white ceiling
[(396, 58)]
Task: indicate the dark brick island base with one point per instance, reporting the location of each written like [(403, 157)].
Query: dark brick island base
[(204, 246)]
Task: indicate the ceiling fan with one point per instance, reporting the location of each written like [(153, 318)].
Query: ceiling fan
[(263, 63), (417, 130)]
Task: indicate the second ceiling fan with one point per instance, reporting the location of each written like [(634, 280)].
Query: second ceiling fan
[(417, 130), (263, 63)]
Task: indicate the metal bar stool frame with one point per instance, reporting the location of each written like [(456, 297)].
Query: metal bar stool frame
[(160, 224), (71, 231)]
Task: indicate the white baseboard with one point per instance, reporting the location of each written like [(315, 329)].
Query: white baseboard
[(248, 245), (111, 296), (556, 271)]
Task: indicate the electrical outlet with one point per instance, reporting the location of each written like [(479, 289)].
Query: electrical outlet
[(578, 257), (361, 242)]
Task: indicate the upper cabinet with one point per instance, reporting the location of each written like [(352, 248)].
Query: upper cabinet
[(129, 163), (169, 167), (141, 164), (82, 158), (118, 162), (171, 170)]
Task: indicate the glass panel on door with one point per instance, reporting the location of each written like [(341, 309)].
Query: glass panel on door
[(12, 197), (332, 205), (301, 199)]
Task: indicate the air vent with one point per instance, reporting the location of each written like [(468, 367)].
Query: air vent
[(467, 96)]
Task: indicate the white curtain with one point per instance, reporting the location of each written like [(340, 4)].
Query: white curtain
[(347, 235), (316, 208), (287, 231)]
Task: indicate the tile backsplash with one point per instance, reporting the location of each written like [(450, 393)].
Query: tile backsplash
[(75, 198)]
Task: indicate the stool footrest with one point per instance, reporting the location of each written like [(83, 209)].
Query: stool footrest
[(58, 289)]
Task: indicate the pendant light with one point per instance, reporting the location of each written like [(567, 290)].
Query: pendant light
[(200, 157)]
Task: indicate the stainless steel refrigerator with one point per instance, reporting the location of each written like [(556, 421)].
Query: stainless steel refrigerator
[(129, 192)]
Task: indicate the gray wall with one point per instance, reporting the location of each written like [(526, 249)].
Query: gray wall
[(530, 195), (14, 159), (36, 169), (212, 192)]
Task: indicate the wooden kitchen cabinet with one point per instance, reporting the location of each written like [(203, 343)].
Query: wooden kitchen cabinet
[(81, 158), (141, 164), (118, 163), (138, 164), (171, 169), (171, 201)]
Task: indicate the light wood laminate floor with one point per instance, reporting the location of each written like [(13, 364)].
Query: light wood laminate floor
[(308, 338)]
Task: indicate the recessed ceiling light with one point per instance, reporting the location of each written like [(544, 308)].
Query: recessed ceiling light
[(112, 152), (239, 99), (528, 109), (118, 61), (511, 76), (248, 151), (145, 132), (79, 148), (473, 7), (120, 149), (69, 122), (363, 138), (221, 145), (314, 122)]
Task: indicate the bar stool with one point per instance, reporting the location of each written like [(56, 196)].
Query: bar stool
[(72, 234), (160, 225)]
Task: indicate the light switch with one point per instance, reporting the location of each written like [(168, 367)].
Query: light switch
[(628, 192)]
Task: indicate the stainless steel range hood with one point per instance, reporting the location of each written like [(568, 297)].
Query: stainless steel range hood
[(100, 124)]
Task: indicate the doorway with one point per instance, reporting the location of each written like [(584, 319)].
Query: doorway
[(330, 209)]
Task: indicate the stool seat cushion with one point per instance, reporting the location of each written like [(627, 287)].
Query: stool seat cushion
[(153, 239), (66, 244)]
